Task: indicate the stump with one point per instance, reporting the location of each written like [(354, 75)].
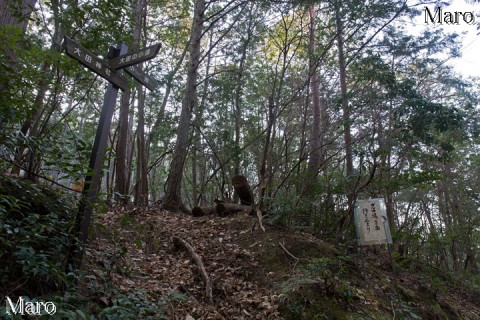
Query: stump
[(242, 189)]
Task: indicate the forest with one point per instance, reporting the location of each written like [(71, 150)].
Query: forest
[(312, 104)]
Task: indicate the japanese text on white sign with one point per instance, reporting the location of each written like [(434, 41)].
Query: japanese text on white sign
[(371, 222)]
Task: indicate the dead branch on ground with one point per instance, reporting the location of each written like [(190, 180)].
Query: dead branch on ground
[(201, 268), (290, 254)]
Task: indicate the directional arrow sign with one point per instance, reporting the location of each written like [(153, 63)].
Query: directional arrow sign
[(142, 77), (135, 57), (92, 62)]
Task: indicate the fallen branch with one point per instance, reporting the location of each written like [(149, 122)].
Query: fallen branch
[(225, 209), (260, 218), (201, 268), (203, 211), (288, 252), (222, 209)]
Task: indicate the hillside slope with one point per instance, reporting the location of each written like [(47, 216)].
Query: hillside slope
[(276, 274)]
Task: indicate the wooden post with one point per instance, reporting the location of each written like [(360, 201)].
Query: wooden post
[(94, 178), (118, 59)]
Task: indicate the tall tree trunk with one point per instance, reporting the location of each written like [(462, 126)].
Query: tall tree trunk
[(266, 151), (141, 183), (344, 98), (173, 199), (316, 150), (121, 187), (196, 147), (198, 119), (302, 150), (239, 93), (130, 151), (347, 135), (385, 144)]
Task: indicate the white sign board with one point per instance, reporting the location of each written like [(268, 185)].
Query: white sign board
[(371, 222)]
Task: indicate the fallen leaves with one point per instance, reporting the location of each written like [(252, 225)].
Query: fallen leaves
[(134, 252), (153, 264)]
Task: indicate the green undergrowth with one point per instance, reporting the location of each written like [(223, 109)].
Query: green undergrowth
[(321, 280), (36, 224), (35, 228)]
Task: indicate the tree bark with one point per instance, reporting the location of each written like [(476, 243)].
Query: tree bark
[(196, 145), (347, 135), (121, 187), (263, 167), (344, 98), (16, 12), (173, 199), (316, 152), (239, 92), (141, 183), (130, 151)]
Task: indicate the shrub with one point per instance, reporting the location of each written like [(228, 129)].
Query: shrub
[(35, 225)]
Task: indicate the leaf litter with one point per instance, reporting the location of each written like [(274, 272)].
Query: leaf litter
[(144, 257), (253, 274)]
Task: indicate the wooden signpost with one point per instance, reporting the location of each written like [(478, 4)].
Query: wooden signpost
[(134, 58), (112, 71), (147, 81), (97, 65)]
